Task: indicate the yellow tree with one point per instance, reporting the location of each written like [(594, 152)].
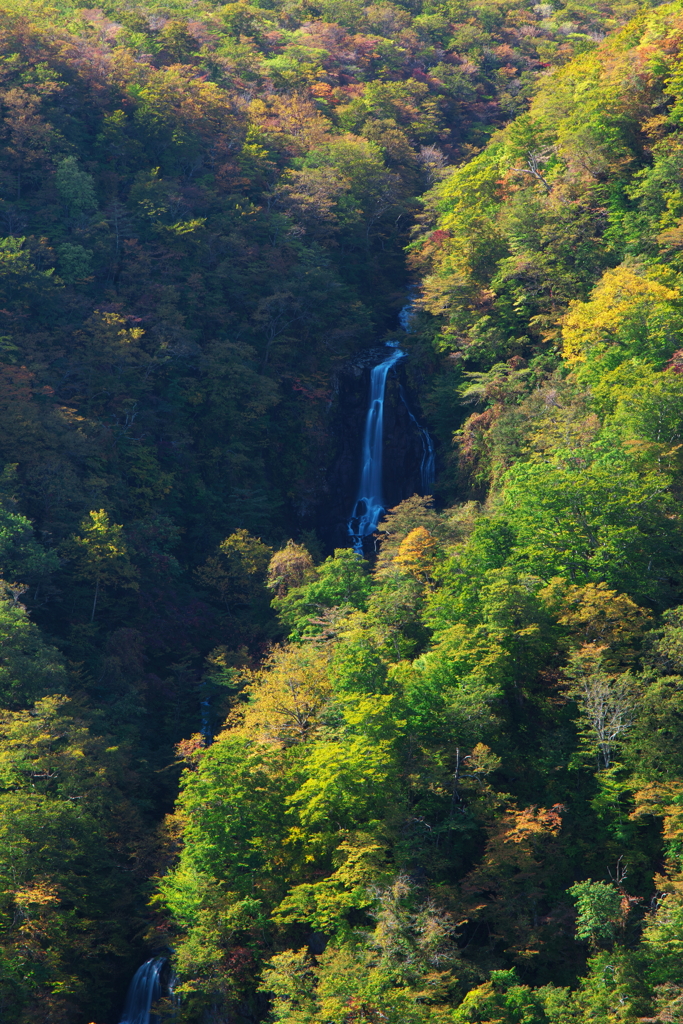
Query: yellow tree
[(288, 696), (101, 556), (289, 568), (417, 554), (628, 314), (598, 616)]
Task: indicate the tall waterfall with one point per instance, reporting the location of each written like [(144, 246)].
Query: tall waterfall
[(370, 502), (144, 989)]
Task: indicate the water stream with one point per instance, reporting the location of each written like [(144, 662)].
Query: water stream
[(428, 463), (370, 502), (144, 990)]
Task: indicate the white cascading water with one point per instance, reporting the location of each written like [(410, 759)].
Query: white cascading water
[(144, 990), (370, 502)]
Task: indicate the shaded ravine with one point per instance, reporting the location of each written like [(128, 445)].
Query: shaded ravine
[(147, 987)]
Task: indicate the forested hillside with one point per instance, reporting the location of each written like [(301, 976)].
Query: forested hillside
[(440, 784)]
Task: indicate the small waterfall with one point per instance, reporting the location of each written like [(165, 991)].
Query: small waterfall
[(144, 990), (428, 463), (370, 503), (205, 712), (407, 312)]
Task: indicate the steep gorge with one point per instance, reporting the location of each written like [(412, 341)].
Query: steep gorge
[(437, 785)]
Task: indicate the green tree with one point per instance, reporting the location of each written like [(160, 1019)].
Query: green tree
[(232, 866), (502, 998), (237, 571), (599, 910), (595, 518), (29, 667), (76, 187), (342, 581), (23, 560)]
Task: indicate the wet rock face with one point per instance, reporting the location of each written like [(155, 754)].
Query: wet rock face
[(402, 445)]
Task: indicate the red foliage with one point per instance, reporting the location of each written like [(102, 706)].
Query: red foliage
[(676, 362), (439, 237)]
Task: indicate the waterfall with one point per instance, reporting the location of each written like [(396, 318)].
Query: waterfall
[(205, 712), (370, 503), (407, 312), (144, 989), (428, 463)]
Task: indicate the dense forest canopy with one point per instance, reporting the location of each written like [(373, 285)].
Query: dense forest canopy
[(440, 784)]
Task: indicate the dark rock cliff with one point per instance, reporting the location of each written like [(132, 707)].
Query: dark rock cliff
[(402, 444)]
